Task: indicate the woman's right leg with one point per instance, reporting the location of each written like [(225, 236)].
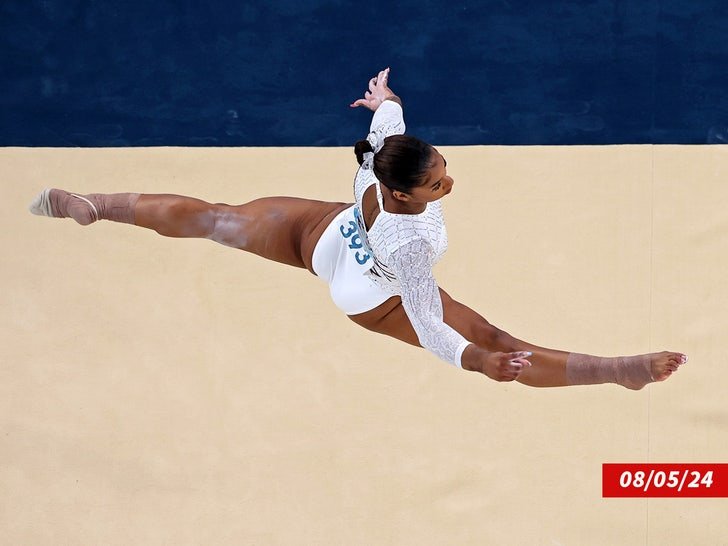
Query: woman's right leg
[(550, 368), (554, 368)]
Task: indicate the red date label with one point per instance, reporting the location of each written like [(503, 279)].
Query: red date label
[(664, 480)]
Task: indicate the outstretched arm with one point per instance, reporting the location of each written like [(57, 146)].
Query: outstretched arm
[(423, 305)]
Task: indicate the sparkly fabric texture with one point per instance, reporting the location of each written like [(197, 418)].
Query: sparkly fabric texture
[(404, 247), (422, 303)]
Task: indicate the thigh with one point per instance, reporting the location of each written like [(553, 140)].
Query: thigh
[(391, 319), (283, 229), (548, 366)]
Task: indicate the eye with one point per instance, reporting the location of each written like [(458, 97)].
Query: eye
[(436, 186)]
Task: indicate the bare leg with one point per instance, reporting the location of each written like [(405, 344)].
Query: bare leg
[(553, 368), (283, 229), (550, 368)]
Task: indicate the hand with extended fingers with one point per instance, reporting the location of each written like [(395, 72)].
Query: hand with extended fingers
[(378, 92)]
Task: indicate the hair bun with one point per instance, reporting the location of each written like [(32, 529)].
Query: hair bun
[(360, 148)]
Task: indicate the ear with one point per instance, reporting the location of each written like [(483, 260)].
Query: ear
[(400, 195)]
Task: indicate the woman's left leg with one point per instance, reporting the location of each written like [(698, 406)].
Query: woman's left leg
[(283, 229)]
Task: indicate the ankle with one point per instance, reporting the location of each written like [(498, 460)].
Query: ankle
[(116, 207), (632, 372)]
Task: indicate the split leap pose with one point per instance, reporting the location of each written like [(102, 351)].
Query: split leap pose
[(376, 254)]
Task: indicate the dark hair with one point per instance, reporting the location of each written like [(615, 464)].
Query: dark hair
[(401, 164)]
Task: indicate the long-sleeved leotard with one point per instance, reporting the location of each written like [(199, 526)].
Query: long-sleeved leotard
[(404, 247)]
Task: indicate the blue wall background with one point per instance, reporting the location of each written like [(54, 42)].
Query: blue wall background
[(236, 73)]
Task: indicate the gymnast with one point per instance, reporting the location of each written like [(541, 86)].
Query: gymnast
[(375, 254)]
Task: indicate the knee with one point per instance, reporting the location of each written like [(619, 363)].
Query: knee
[(178, 209), (191, 217), (493, 338)]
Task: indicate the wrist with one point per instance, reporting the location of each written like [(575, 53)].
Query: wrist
[(393, 98), (472, 358)]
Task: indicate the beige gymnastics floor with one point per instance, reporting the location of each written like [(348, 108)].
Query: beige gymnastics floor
[(159, 391)]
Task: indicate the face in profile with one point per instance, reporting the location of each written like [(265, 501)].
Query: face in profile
[(437, 183)]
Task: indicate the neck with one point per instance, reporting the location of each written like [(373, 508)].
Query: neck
[(397, 206)]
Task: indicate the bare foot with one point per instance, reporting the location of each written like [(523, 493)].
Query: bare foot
[(634, 372), (664, 364)]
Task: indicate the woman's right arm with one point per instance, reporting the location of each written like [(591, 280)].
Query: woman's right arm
[(423, 305)]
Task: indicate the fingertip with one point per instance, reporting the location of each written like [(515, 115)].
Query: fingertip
[(526, 354)]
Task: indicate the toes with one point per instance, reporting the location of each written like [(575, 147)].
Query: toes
[(665, 364), (678, 358), (675, 358)]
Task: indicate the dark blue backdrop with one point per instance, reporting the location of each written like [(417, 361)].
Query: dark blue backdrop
[(232, 73)]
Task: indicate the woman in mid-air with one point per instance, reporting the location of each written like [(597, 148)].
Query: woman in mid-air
[(376, 254)]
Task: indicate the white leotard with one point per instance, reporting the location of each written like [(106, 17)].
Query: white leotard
[(400, 250)]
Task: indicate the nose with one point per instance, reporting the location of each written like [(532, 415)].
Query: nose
[(449, 184)]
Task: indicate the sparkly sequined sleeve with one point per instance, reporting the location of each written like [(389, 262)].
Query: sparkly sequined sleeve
[(388, 120), (421, 299)]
